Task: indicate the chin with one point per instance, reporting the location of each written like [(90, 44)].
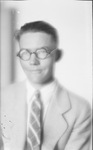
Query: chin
[(40, 79), (36, 80)]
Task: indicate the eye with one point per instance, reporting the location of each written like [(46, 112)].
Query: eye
[(24, 54), (41, 51)]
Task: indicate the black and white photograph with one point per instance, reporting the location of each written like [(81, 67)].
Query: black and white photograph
[(46, 75)]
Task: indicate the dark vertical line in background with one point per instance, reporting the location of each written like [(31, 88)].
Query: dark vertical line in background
[(12, 62)]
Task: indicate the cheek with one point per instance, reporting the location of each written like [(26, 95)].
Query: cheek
[(23, 64), (48, 66), (47, 63)]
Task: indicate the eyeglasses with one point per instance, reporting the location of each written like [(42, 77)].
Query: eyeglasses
[(41, 53)]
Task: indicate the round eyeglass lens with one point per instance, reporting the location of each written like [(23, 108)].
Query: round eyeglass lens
[(41, 53), (24, 54)]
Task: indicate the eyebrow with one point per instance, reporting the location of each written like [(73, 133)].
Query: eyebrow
[(45, 47)]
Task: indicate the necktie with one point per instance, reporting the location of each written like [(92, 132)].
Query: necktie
[(34, 125)]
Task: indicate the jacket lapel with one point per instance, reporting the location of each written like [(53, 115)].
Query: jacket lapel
[(55, 124)]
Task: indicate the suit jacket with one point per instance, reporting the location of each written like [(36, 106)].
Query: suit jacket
[(66, 126)]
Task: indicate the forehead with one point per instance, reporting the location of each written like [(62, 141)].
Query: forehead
[(36, 40)]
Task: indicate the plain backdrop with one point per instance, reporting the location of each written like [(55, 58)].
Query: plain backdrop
[(73, 20)]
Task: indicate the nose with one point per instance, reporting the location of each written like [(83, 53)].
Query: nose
[(33, 60)]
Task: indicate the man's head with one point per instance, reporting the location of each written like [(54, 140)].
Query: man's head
[(38, 43)]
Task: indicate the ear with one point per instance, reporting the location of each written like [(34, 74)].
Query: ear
[(59, 54)]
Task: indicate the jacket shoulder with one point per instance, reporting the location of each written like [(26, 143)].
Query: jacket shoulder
[(78, 106), (78, 102), (80, 109), (12, 87), (11, 91), (75, 101)]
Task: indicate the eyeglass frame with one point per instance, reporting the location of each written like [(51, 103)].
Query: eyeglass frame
[(46, 49)]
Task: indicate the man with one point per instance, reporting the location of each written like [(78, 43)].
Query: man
[(64, 123)]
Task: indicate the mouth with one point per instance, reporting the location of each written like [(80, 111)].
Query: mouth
[(36, 71)]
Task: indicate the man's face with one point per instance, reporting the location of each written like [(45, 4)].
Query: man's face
[(37, 70)]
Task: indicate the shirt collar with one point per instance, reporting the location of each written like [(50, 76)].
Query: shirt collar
[(45, 91)]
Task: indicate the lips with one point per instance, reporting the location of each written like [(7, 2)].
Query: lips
[(35, 71)]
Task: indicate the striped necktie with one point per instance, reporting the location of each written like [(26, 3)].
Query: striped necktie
[(34, 125)]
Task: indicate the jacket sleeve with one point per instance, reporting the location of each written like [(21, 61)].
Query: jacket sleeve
[(81, 134)]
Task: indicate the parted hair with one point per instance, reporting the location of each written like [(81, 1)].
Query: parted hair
[(38, 26)]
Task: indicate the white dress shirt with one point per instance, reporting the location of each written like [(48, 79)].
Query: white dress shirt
[(46, 93)]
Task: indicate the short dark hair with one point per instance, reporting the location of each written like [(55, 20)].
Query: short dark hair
[(38, 26)]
